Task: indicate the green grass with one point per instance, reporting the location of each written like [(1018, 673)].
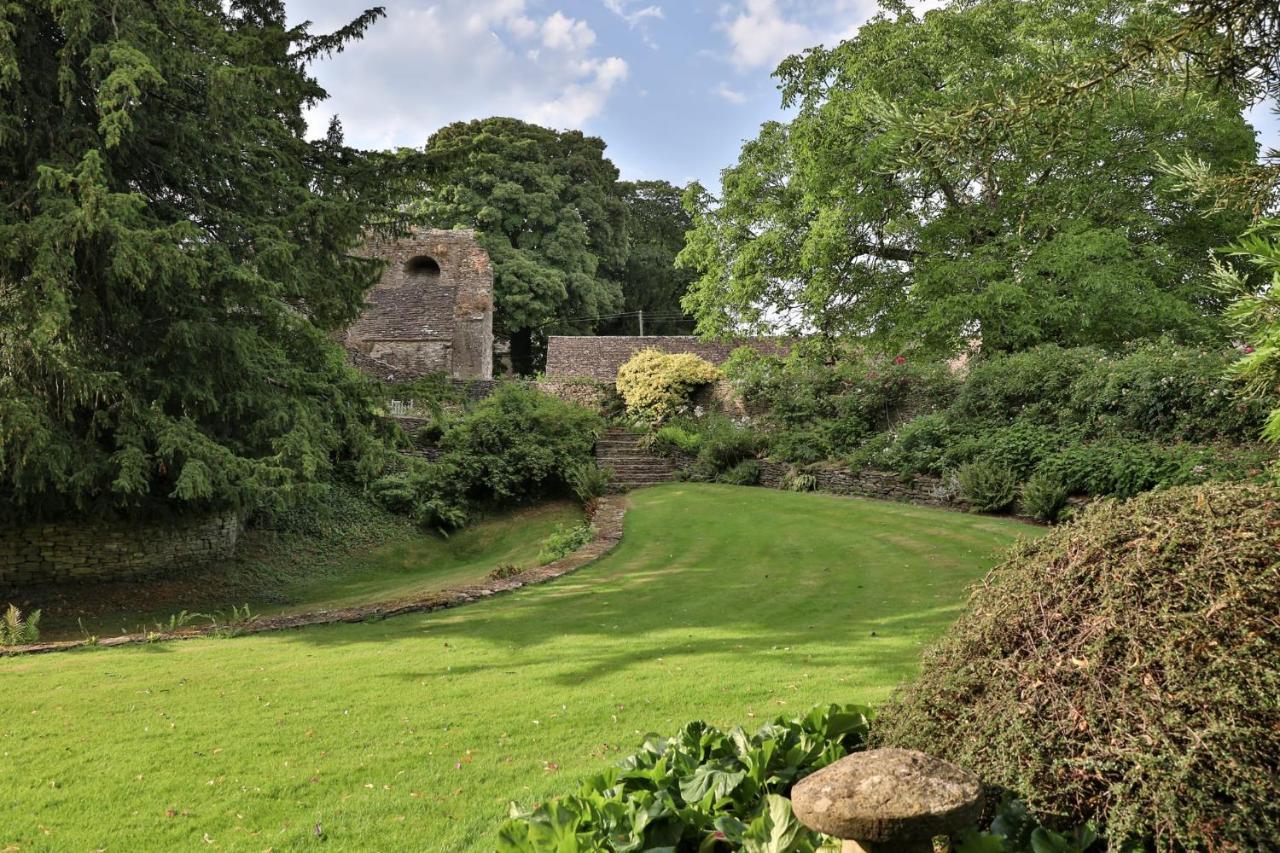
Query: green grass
[(729, 604), (330, 563)]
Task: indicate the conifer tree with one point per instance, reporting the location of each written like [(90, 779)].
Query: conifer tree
[(174, 258)]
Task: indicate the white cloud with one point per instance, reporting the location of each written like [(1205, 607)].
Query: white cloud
[(733, 96), (582, 101), (561, 32), (632, 15), (762, 33), (432, 62), (760, 36)]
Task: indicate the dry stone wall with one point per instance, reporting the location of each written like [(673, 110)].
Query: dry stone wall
[(598, 358), (886, 485), (56, 553)]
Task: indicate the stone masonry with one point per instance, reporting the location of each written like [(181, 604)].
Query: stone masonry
[(598, 358), (431, 312), (44, 553)]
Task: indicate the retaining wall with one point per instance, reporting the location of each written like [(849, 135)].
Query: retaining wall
[(56, 553)]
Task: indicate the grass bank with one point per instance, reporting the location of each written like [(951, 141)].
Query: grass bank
[(730, 604)]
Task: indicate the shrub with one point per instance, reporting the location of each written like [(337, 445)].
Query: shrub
[(745, 473), (1043, 498), (1122, 668), (16, 630), (515, 445), (657, 385), (987, 487), (504, 571), (725, 444), (799, 481), (687, 791), (588, 480), (563, 541), (674, 438)]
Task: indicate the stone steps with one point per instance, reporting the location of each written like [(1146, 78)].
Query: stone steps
[(620, 451)]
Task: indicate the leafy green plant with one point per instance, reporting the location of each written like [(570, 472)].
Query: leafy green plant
[(987, 487), (799, 481), (1042, 497), (702, 789), (745, 473), (564, 541), (657, 385), (233, 623), (588, 480), (17, 630), (176, 621), (725, 444), (675, 438), (504, 571)]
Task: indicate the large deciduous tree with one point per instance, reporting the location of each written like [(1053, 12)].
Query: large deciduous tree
[(547, 207), (174, 255), (1060, 227), (651, 281)]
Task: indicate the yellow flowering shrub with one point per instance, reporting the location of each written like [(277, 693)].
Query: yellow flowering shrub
[(656, 385)]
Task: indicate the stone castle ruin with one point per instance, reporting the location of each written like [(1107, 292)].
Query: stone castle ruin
[(431, 312)]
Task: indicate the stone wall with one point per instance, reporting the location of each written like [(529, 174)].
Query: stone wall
[(431, 312), (598, 358), (885, 485), (56, 553)]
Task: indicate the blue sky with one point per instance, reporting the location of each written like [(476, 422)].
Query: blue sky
[(673, 86)]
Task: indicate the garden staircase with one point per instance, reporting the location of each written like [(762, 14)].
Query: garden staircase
[(619, 451)]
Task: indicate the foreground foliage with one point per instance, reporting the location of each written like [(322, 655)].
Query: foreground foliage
[(1123, 669), (702, 789), (705, 789), (167, 293)]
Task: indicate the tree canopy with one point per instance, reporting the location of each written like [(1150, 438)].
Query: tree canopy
[(168, 290), (1059, 227), (651, 281), (547, 207)]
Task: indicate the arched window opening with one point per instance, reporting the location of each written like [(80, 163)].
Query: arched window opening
[(422, 266)]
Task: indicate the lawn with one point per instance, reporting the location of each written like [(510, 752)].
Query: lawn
[(729, 604)]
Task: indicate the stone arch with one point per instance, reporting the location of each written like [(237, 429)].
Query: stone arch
[(422, 267)]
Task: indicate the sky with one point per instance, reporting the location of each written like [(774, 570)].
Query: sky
[(674, 87)]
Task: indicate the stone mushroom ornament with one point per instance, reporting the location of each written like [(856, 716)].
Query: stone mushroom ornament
[(888, 800)]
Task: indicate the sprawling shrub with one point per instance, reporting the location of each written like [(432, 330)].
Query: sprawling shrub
[(1042, 497), (588, 480), (987, 487), (515, 445), (16, 629), (1123, 668), (657, 385), (1034, 385)]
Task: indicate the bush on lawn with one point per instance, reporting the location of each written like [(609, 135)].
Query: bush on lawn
[(563, 541), (723, 446), (515, 445), (745, 473), (1122, 668), (657, 385)]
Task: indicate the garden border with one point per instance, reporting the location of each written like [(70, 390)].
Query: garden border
[(606, 515)]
